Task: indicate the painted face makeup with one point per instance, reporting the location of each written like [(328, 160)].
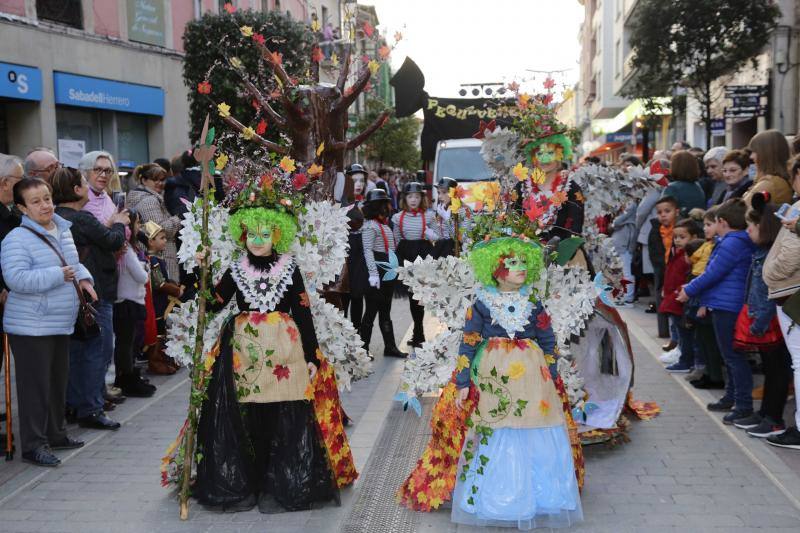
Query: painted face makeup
[(514, 264), (260, 240), (358, 184), (547, 154), (413, 199)]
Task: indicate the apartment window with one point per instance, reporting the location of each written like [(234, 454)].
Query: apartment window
[(325, 19), (67, 12), (618, 59)]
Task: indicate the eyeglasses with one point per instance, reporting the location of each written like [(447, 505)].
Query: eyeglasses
[(100, 170), (49, 169)]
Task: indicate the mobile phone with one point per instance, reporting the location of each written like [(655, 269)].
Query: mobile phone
[(119, 200), (787, 212)]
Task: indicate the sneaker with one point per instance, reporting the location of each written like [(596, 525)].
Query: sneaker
[(671, 357), (112, 391), (750, 422), (671, 345), (721, 405), (788, 439), (651, 309), (736, 416), (694, 375), (767, 428), (679, 368)]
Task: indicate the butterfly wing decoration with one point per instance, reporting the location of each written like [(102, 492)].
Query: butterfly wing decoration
[(409, 401), (389, 267)]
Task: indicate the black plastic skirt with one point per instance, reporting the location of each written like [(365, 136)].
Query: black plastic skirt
[(357, 267)]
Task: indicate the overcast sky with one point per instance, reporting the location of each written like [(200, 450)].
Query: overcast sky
[(478, 41)]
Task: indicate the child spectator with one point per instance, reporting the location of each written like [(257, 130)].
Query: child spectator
[(675, 275), (659, 246), (721, 290), (758, 328), (165, 293), (129, 312)]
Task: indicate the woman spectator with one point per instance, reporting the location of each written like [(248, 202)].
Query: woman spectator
[(98, 168), (716, 185), (148, 200), (737, 181), (770, 153), (685, 170), (41, 286), (96, 244)]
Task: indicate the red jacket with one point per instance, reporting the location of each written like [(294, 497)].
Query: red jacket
[(674, 278)]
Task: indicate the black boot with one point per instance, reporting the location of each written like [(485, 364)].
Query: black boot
[(134, 386), (418, 337), (365, 332), (390, 348)]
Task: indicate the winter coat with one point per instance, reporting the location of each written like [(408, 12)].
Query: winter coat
[(133, 277), (40, 302), (701, 257), (738, 192), (655, 246), (624, 226), (9, 219), (782, 267), (96, 244), (759, 306), (779, 189), (184, 186), (674, 278), (688, 194), (152, 207), (645, 212), (721, 285)]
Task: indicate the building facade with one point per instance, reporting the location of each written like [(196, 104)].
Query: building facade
[(81, 75)]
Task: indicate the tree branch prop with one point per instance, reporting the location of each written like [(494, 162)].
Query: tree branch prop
[(350, 97), (342, 81), (269, 145), (276, 118), (283, 80), (204, 154), (356, 141)]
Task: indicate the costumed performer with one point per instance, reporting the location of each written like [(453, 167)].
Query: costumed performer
[(445, 221)]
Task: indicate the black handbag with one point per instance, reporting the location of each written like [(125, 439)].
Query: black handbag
[(86, 326)]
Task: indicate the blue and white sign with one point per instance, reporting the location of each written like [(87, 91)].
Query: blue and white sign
[(97, 93), (20, 82)]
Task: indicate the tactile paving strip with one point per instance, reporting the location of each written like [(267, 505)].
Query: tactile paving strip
[(400, 444)]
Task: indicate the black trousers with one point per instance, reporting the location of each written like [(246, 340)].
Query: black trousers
[(777, 366), (379, 303), (663, 320), (42, 371)]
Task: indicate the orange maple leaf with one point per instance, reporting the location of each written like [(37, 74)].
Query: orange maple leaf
[(472, 338), (384, 51), (304, 299), (276, 58)]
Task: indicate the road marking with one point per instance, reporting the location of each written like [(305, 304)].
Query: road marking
[(652, 347)]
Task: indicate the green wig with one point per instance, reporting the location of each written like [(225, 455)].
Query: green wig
[(485, 258), (559, 139), (253, 216)]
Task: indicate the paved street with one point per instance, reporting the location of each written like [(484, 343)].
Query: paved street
[(682, 471)]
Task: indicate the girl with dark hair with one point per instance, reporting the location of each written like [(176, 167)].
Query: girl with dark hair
[(413, 233), (758, 329), (379, 253), (130, 311)]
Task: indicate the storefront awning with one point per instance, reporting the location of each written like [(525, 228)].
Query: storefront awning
[(20, 82), (607, 147), (97, 93)]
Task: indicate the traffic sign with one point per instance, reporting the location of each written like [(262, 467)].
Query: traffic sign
[(732, 91)]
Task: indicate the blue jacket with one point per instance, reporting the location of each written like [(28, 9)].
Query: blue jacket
[(40, 302), (759, 306), (722, 285)]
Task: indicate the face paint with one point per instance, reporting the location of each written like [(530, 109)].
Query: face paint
[(260, 239), (547, 154), (413, 199), (514, 264), (358, 184)]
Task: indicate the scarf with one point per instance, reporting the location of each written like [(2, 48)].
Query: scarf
[(666, 239)]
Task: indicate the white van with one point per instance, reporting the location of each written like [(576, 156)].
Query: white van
[(461, 160)]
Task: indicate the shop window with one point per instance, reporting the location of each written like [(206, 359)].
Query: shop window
[(132, 146), (3, 130), (79, 125), (67, 12)]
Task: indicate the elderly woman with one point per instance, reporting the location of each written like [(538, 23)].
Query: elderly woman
[(98, 168), (148, 200), (714, 187), (97, 244), (43, 273)]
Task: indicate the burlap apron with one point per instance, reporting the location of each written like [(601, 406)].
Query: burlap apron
[(516, 389), (268, 358)]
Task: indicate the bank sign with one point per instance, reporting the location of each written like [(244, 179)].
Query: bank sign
[(20, 82), (97, 93)]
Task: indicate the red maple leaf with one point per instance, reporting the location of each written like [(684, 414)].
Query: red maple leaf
[(281, 372), (543, 320), (257, 37), (547, 98), (255, 104), (483, 127), (261, 127), (276, 58), (368, 29), (549, 83), (299, 181), (316, 54), (257, 318), (293, 333), (533, 210), (204, 87)]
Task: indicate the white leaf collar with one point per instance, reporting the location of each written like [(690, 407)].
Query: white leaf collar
[(263, 289), (511, 310)]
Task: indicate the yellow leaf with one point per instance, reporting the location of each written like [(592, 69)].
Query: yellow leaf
[(516, 370), (208, 362), (538, 176), (463, 362), (421, 497), (315, 25), (455, 205), (224, 110), (335, 60), (248, 133), (287, 164), (247, 31), (236, 63), (520, 172), (274, 317), (320, 148), (309, 393), (373, 66), (314, 170), (221, 161), (436, 502)]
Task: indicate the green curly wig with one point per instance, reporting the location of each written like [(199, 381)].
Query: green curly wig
[(253, 216), (559, 139), (485, 258)]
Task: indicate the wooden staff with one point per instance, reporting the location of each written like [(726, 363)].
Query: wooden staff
[(204, 153), (456, 235), (7, 364)]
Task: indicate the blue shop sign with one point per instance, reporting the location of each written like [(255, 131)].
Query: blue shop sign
[(98, 93), (20, 82)]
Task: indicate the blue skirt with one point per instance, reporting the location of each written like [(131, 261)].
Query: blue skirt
[(527, 481)]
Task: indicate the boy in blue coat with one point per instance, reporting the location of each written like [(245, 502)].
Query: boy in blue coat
[(721, 289)]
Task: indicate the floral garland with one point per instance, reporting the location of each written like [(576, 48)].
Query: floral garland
[(263, 289), (223, 249), (511, 310)]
